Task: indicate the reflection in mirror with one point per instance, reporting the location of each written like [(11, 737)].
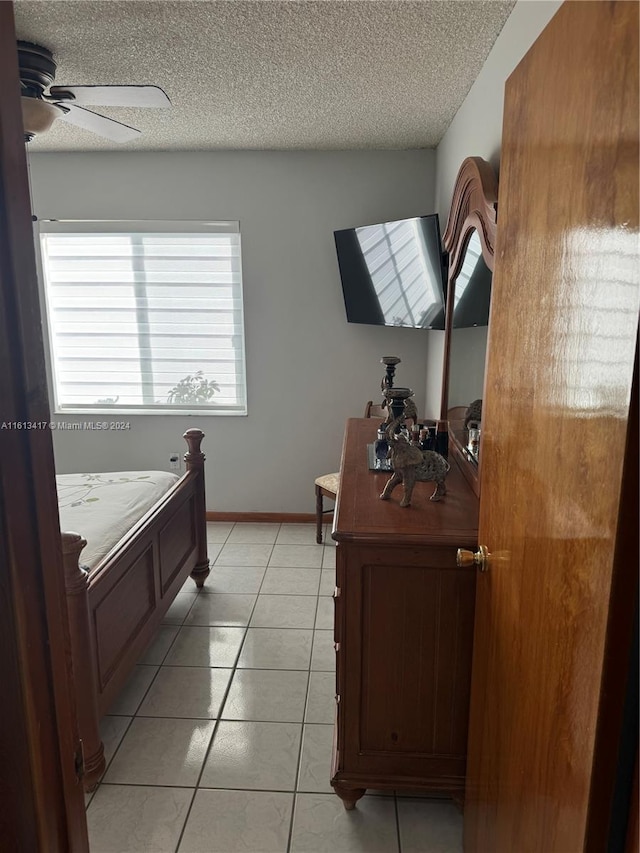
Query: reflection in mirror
[(468, 346), (472, 288)]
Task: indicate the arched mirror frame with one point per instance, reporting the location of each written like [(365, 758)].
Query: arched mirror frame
[(473, 207)]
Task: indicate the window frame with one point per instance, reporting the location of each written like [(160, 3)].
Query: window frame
[(87, 226)]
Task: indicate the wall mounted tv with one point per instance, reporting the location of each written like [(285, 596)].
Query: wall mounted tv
[(393, 274)]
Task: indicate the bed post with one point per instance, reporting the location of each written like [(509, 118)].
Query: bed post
[(194, 460), (77, 587)]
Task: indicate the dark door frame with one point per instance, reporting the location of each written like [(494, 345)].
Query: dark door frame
[(40, 788)]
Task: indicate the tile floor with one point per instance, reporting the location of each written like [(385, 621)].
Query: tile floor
[(221, 740)]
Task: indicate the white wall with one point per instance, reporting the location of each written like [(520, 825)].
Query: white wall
[(307, 368), (476, 130)]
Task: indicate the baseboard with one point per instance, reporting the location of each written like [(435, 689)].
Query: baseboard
[(273, 517)]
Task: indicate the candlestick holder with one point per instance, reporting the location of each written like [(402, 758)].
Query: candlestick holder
[(390, 361), (395, 400)]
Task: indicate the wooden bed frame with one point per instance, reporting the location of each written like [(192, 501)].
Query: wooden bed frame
[(115, 609)]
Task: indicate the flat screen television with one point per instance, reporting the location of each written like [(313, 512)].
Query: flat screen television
[(393, 274)]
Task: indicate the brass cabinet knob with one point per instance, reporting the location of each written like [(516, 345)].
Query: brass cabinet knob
[(479, 559)]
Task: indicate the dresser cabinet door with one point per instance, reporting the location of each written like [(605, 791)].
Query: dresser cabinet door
[(405, 647)]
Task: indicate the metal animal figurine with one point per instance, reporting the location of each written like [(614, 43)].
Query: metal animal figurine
[(412, 465)]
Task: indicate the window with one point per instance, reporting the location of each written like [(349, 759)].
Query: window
[(145, 317)]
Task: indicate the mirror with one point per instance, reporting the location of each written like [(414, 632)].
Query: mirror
[(471, 293), (469, 241)]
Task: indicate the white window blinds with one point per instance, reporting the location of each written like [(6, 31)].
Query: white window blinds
[(145, 317)]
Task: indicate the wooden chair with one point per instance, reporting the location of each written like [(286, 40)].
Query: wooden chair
[(374, 410), (327, 485), (456, 413)]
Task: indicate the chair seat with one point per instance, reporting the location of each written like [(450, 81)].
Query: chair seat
[(329, 482)]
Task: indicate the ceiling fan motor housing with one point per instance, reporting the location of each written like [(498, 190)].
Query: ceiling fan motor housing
[(37, 68)]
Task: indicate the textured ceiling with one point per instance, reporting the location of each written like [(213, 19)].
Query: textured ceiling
[(270, 74)]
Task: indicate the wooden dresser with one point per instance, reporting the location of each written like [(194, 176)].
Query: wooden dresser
[(404, 617)]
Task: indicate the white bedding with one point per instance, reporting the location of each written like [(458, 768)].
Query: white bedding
[(103, 507)]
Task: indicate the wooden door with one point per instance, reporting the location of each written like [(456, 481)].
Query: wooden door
[(563, 337), (42, 799)]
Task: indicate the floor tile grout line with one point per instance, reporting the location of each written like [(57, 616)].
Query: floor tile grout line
[(275, 594), (145, 785), (222, 705), (302, 723), (115, 751), (188, 812), (304, 714), (231, 666), (224, 719), (273, 790), (226, 788), (173, 642), (216, 723), (266, 627)]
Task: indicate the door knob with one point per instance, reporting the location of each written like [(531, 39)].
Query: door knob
[(479, 559)]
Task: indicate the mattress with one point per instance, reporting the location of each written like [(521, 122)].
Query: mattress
[(103, 507)]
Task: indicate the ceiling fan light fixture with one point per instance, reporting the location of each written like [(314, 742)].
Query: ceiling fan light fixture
[(38, 116), (43, 103)]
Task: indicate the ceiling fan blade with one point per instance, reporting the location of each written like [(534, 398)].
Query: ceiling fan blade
[(112, 96), (103, 126)]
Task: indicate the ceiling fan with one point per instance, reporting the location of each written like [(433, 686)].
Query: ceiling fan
[(40, 108)]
